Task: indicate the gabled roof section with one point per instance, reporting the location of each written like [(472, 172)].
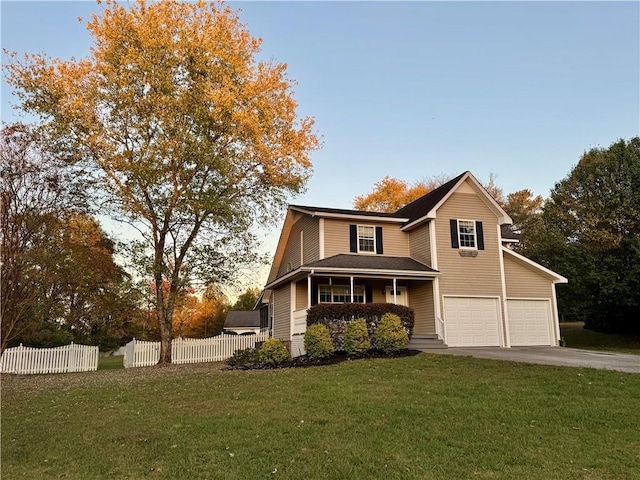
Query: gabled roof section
[(282, 243), (424, 208), (348, 214), (556, 277)]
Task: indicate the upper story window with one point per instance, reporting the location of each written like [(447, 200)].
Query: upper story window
[(467, 234), (366, 239)]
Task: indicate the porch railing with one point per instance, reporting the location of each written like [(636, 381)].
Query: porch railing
[(299, 321)]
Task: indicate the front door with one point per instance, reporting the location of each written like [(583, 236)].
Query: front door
[(401, 297)]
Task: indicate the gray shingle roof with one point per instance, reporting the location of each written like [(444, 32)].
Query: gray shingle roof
[(242, 319), (423, 205), (371, 262), (342, 211), (508, 234), (413, 211)]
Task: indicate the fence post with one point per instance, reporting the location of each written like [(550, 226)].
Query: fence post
[(130, 354), (21, 360)]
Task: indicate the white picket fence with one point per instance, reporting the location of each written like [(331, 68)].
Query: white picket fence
[(190, 350), (68, 358)]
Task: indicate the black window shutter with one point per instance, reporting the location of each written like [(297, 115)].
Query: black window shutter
[(353, 238), (368, 293), (480, 235), (379, 240), (453, 224), (314, 294)]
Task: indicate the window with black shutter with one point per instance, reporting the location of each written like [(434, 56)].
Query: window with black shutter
[(466, 234), (365, 239)]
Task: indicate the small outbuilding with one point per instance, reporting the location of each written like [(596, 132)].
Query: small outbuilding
[(242, 322)]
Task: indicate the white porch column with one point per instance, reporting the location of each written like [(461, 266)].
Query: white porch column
[(308, 292), (395, 292), (351, 281)]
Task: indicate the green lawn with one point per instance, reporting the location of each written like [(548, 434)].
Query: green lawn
[(110, 363), (576, 336), (421, 417)]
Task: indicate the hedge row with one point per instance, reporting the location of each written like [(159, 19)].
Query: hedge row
[(337, 316)]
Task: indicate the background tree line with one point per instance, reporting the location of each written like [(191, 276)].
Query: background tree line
[(60, 281)]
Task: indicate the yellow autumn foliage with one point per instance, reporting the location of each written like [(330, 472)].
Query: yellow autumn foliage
[(192, 138)]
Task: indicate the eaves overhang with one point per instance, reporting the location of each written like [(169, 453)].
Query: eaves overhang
[(370, 216), (304, 271)]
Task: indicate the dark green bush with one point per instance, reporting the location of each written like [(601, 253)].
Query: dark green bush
[(245, 357), (336, 317), (390, 336), (273, 352), (356, 338), (317, 342)]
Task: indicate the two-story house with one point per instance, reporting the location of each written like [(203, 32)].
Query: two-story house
[(443, 255)]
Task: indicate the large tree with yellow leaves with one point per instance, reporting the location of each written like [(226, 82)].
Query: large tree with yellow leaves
[(190, 136)]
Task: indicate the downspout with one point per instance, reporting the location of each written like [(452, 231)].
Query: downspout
[(504, 325), (555, 315)]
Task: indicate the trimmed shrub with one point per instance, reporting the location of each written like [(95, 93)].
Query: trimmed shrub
[(273, 352), (390, 336), (317, 342), (356, 338), (247, 356)]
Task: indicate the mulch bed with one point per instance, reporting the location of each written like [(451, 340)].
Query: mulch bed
[(338, 357)]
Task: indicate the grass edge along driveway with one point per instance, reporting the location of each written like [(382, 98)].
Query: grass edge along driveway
[(426, 416)]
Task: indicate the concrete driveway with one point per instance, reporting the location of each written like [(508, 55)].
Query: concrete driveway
[(570, 357)]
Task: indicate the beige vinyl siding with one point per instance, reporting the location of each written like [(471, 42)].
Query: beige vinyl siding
[(523, 282), (395, 242), (291, 258), (473, 276), (282, 313), (421, 300), (311, 238), (301, 295), (420, 244), (336, 237), (376, 288)]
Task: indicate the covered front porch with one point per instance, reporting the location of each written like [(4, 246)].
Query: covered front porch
[(416, 293), (413, 288), (347, 278)]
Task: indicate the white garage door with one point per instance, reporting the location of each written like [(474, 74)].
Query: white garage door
[(529, 322), (471, 322)]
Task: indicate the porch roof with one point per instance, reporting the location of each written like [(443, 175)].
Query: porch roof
[(242, 319), (371, 262), (360, 265)]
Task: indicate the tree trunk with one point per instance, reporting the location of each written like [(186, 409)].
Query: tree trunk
[(165, 321), (165, 336)]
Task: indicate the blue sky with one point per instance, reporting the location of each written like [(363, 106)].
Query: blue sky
[(414, 89)]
